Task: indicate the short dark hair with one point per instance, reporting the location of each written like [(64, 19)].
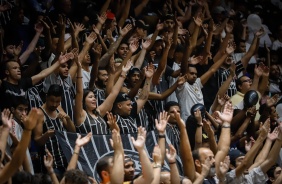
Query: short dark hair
[(18, 100), (196, 154), (76, 176), (55, 90), (170, 104), (102, 165), (238, 82), (270, 172), (22, 177)]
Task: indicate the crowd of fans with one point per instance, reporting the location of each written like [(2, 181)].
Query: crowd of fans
[(204, 74)]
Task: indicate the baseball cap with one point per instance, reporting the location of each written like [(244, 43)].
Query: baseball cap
[(121, 97), (141, 24), (233, 154), (132, 70)]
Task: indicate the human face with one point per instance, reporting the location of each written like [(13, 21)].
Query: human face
[(273, 114), (246, 84), (123, 50), (158, 47), (207, 153), (13, 70), (90, 102), (239, 161), (64, 70), (9, 51), (87, 58), (129, 169), (20, 112), (103, 77), (53, 102), (274, 72), (134, 78), (277, 172), (66, 6), (242, 47), (169, 24), (125, 108), (229, 60), (191, 75), (172, 119)]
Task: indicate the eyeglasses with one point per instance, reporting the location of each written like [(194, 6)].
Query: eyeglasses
[(247, 80)]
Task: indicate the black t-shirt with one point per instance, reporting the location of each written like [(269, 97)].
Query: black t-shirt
[(8, 91)]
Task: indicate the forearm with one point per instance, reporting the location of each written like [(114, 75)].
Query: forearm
[(106, 57), (263, 84), (116, 176), (161, 143), (105, 6), (198, 137), (254, 85), (237, 119), (4, 133), (174, 174), (157, 175), (138, 10), (199, 180), (83, 52), (74, 158), (52, 174), (70, 125), (42, 139), (29, 49), (147, 169), (212, 142), (166, 93), (222, 48), (240, 132), (140, 59), (161, 67)]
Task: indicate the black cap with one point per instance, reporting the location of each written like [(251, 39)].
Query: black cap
[(121, 97), (141, 24), (250, 98), (233, 154), (132, 70), (199, 106)]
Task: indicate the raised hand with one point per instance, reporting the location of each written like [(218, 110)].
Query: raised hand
[(207, 127), (258, 70), (7, 118), (102, 18), (17, 50), (95, 29), (251, 112), (30, 120), (272, 136), (133, 46), (272, 100), (181, 80), (198, 117), (112, 121), (263, 132), (50, 24), (206, 166), (160, 26), (157, 156), (83, 141), (149, 72), (260, 32), (227, 114), (224, 166), (91, 38), (38, 27), (195, 60), (265, 71), (178, 119), (221, 100), (198, 20), (48, 160), (127, 67), (78, 27), (249, 144), (116, 141), (230, 48), (232, 70), (139, 143), (125, 30), (161, 124), (171, 154), (146, 43)]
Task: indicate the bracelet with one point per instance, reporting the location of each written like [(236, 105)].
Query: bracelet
[(75, 153), (225, 126), (79, 77), (161, 136), (122, 76), (156, 165), (172, 162)]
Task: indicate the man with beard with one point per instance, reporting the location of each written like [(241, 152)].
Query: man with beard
[(52, 118), (100, 85), (275, 80)]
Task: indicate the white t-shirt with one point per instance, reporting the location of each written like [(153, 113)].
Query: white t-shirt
[(172, 80), (189, 95), (86, 77), (276, 45)]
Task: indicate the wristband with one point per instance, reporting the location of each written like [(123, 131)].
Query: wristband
[(75, 153), (172, 162), (225, 126), (161, 136), (156, 165)]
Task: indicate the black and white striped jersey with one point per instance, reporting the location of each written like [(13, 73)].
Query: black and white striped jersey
[(33, 95), (52, 143), (100, 95), (67, 101), (127, 125), (95, 125), (222, 75)]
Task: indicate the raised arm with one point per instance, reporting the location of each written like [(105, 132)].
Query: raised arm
[(199, 130), (143, 97), (18, 156), (205, 77), (105, 58), (147, 169), (171, 158), (224, 139), (185, 149), (140, 59), (124, 13), (97, 50), (249, 157), (24, 56), (48, 163), (157, 165), (6, 118), (109, 101), (161, 127), (208, 129)]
